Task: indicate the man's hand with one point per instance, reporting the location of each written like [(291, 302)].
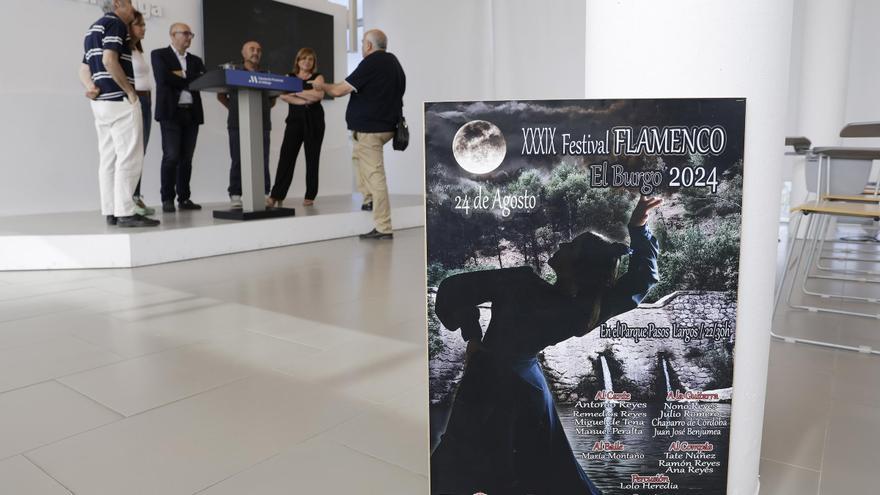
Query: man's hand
[(336, 90), (640, 214), (179, 73), (92, 92)]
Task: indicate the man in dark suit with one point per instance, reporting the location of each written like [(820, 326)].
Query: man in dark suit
[(179, 113)]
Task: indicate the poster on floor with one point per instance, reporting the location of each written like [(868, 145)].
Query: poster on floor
[(582, 270)]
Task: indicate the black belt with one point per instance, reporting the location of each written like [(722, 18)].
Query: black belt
[(184, 105)]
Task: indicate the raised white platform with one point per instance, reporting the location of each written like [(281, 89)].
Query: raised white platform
[(83, 240)]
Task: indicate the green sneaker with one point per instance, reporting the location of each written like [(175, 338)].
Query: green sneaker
[(140, 208)]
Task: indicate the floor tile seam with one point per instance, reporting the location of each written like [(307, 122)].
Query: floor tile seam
[(85, 370), (68, 437), (16, 389), (39, 341), (44, 471), (260, 276), (394, 358), (825, 441), (233, 475), (179, 347), (133, 295), (70, 289), (100, 347), (283, 451), (50, 312), (237, 379), (788, 464), (325, 431), (397, 338), (249, 251), (796, 368), (779, 461), (92, 399), (286, 341), (396, 399), (159, 351), (109, 313), (90, 276), (171, 313), (370, 408), (375, 457), (40, 294)]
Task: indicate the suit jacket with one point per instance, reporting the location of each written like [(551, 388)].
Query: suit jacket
[(169, 86)]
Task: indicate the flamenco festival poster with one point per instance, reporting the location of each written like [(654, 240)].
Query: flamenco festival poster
[(583, 261)]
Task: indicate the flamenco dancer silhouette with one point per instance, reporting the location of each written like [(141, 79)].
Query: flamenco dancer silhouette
[(503, 436)]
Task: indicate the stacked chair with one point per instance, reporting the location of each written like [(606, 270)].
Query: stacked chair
[(839, 192)]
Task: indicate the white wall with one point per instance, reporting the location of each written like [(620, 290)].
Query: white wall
[(858, 95), (863, 89), (460, 50), (48, 148), (862, 76), (795, 68)]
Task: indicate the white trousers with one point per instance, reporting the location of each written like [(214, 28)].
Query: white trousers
[(121, 148)]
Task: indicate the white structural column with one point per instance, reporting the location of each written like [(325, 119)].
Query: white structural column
[(715, 48), (827, 32)]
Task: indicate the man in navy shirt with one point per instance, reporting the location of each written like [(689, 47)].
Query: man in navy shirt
[(376, 87), (251, 55), (107, 74)]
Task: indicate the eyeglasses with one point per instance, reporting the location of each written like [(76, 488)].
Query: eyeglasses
[(188, 34)]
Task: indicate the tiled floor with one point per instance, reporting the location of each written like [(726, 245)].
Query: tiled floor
[(293, 370), (822, 416), (302, 370)]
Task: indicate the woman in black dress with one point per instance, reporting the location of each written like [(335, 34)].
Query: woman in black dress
[(304, 127), (504, 435)]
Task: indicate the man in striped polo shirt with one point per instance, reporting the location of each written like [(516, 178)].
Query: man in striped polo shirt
[(107, 74)]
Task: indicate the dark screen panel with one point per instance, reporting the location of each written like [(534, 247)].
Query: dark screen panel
[(280, 28)]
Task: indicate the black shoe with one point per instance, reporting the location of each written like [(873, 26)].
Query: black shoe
[(375, 234), (189, 205), (367, 206), (136, 221), (168, 207), (111, 220)]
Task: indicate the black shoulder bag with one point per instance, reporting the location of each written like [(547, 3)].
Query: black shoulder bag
[(401, 135)]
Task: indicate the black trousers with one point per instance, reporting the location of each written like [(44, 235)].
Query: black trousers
[(234, 188), (178, 145), (147, 111), (308, 133)]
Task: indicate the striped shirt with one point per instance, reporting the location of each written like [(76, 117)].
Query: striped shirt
[(108, 33)]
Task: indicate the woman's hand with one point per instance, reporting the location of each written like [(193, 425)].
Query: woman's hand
[(640, 214)]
